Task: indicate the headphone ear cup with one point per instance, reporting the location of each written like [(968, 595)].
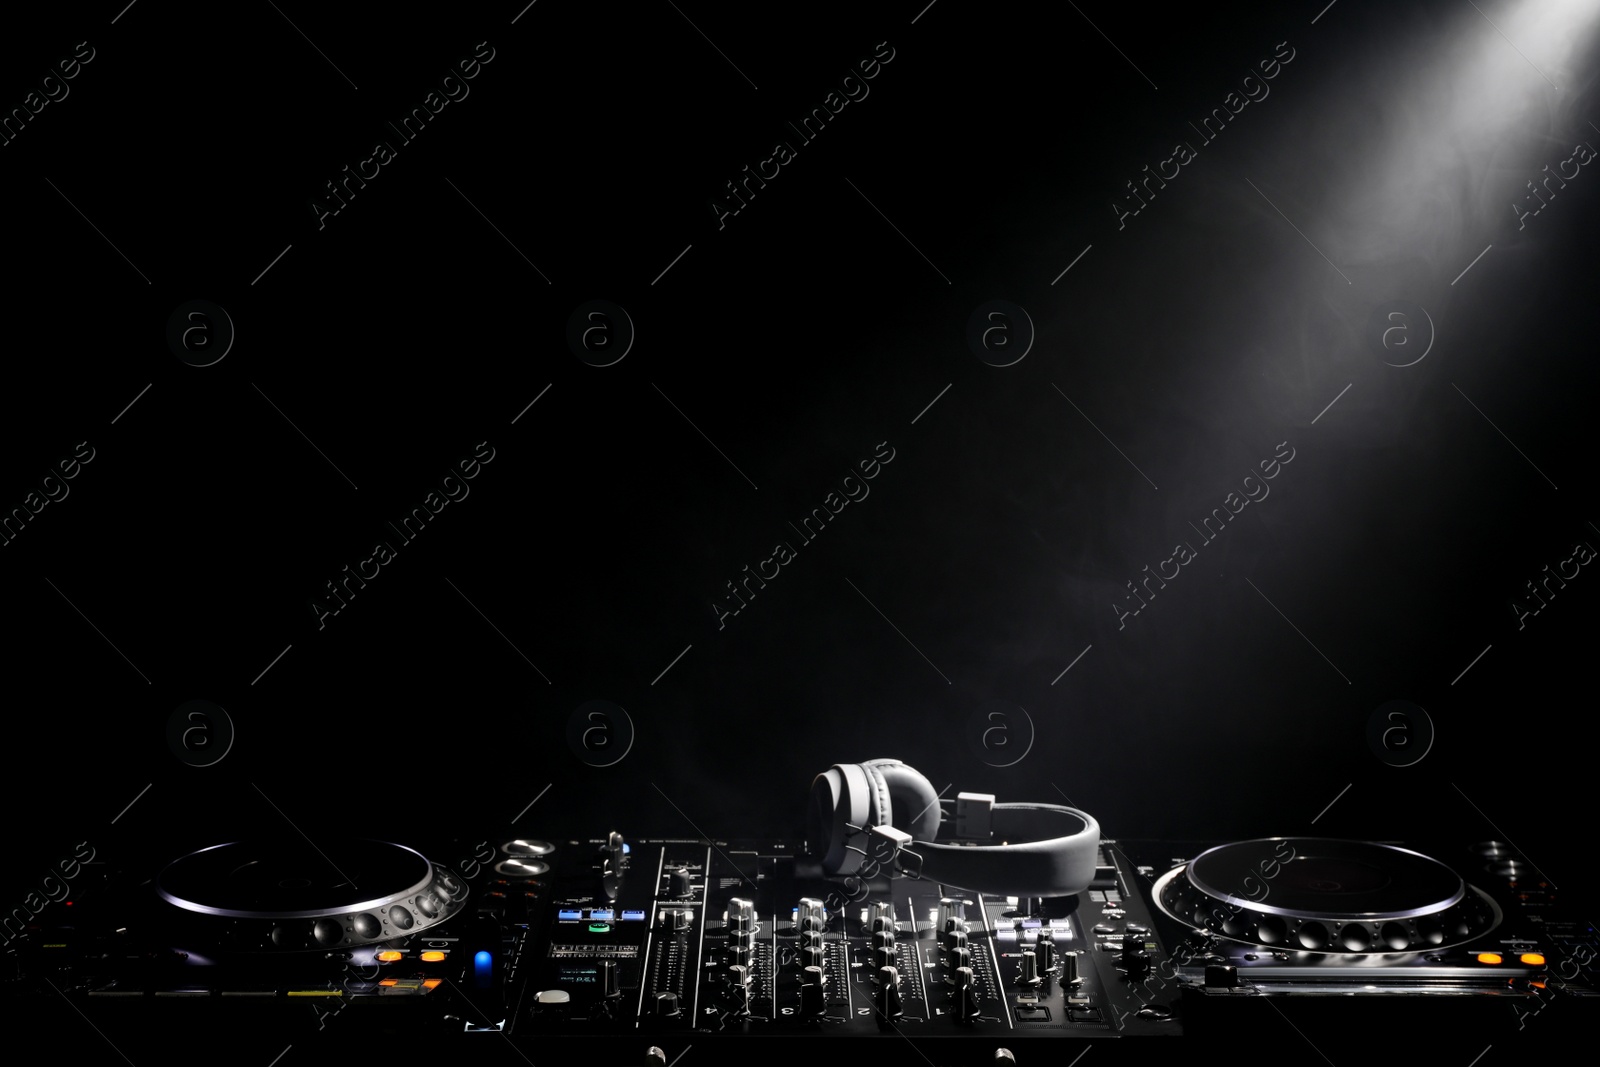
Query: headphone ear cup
[(909, 797)]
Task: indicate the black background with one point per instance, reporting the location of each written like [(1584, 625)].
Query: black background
[(796, 337)]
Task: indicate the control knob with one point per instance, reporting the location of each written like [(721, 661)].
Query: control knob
[(812, 1004), (888, 995)]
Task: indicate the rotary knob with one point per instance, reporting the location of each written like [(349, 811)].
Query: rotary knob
[(811, 939), (667, 1005), (681, 884), (888, 995), (739, 955), (811, 915), (950, 908), (1045, 949), (1028, 974), (813, 956), (812, 1002), (1069, 969), (959, 958), (676, 919), (956, 939), (966, 1005), (1135, 959), (741, 939), (741, 914), (880, 916)]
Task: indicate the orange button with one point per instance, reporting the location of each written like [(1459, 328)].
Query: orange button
[(1489, 957), (389, 955), (389, 981), (1533, 959), (433, 955), (431, 983)]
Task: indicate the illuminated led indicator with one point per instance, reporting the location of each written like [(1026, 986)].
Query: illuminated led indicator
[(389, 955), (1488, 957), (1533, 959), (599, 928), (389, 981), (433, 955), (431, 983), (482, 959), (629, 916), (601, 913), (569, 914)]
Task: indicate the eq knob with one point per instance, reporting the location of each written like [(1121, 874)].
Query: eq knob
[(951, 908), (681, 883), (741, 939), (812, 1002), (966, 1001), (813, 956), (959, 958), (880, 916), (654, 1057), (888, 995), (811, 939), (955, 939), (667, 1005), (739, 955), (883, 948), (1045, 949), (1028, 973), (676, 919), (1135, 959), (811, 915), (1069, 969), (741, 914)]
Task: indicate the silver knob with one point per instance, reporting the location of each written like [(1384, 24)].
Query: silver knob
[(741, 914)]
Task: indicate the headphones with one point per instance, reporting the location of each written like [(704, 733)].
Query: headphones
[(885, 813)]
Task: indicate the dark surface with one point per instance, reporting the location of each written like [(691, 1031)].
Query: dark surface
[(1209, 333)]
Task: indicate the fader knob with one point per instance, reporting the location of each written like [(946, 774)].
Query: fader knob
[(609, 981), (889, 1005)]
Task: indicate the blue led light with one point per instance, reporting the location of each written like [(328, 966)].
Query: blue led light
[(566, 914), (626, 848), (482, 961)]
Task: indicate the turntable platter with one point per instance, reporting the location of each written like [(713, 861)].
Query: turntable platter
[(284, 895), (1323, 895)]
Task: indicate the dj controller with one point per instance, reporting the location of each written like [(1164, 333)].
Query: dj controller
[(629, 951)]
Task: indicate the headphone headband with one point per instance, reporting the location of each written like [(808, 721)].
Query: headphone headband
[(860, 810)]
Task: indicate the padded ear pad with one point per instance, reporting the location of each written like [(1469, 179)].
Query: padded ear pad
[(841, 797), (907, 800)]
